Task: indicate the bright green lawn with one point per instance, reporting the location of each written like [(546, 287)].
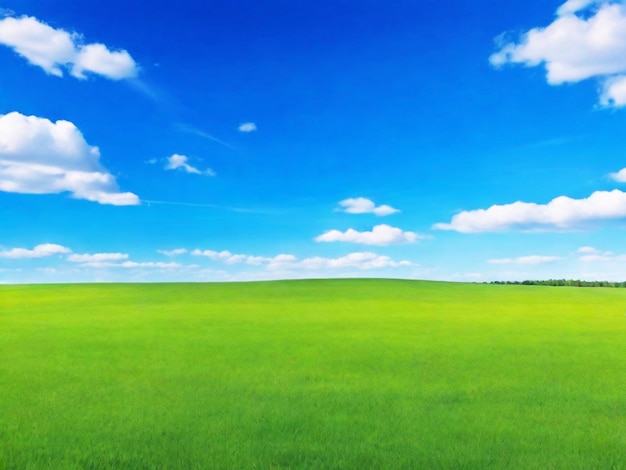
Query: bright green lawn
[(363, 374)]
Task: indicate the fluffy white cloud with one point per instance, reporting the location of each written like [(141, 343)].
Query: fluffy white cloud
[(40, 251), (559, 214), (247, 127), (614, 92), (380, 235), (55, 49), (620, 176), (38, 156), (532, 259), (573, 6), (179, 162), (362, 205), (582, 42), (174, 252), (97, 257)]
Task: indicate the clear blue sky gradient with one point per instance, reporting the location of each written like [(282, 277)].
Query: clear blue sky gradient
[(396, 102)]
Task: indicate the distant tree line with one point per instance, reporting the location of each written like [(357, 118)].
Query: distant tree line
[(563, 282)]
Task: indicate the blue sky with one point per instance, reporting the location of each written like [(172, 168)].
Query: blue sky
[(238, 140)]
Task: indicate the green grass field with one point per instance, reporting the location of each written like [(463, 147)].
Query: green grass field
[(359, 374)]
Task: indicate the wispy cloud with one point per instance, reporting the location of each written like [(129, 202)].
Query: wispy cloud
[(587, 250), (179, 162), (557, 141), (358, 260), (224, 255), (55, 50), (590, 254), (174, 252), (206, 135), (283, 261), (242, 210), (134, 265), (531, 259), (97, 257)]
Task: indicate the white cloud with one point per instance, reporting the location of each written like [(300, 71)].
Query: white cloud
[(97, 257), (174, 252), (361, 205), (577, 47), (256, 260), (55, 50), (247, 127), (559, 214), (603, 257), (225, 256), (40, 251), (96, 58), (589, 253), (532, 259), (536, 259), (614, 92), (133, 265), (179, 162), (280, 260), (38, 156), (573, 6), (588, 250), (620, 176), (380, 235), (359, 260)]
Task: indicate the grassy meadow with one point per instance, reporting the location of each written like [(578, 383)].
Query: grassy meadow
[(329, 374)]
